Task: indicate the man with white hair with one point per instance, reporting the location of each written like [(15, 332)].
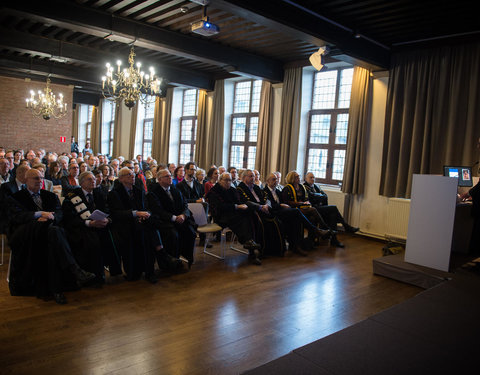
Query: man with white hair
[(41, 255)]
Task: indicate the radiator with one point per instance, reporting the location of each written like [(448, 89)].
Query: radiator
[(337, 198), (398, 212)]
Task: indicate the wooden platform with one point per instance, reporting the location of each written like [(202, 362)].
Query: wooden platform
[(219, 318)]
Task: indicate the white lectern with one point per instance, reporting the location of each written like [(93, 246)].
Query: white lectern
[(431, 221)]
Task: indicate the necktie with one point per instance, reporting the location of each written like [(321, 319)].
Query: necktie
[(23, 186), (130, 194), (90, 198), (275, 196), (37, 200), (169, 194)]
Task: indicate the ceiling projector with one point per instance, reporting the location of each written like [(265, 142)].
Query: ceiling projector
[(205, 28)]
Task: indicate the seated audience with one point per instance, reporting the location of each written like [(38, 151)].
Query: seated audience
[(46, 184), (257, 179), (228, 211), (319, 200), (12, 186), (175, 221), (200, 176), (233, 173), (279, 177), (4, 171), (42, 261)]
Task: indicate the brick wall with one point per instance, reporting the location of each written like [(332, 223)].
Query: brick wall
[(20, 129)]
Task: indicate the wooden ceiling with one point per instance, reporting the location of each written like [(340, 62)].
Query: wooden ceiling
[(72, 40)]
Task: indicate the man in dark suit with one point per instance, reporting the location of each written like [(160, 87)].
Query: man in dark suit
[(174, 218), (229, 211), (193, 192), (6, 190), (292, 219), (133, 230), (41, 256), (319, 200), (90, 239)]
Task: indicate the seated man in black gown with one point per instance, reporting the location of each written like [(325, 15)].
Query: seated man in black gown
[(292, 220), (135, 235), (90, 239), (319, 200), (42, 261), (228, 211), (174, 218)]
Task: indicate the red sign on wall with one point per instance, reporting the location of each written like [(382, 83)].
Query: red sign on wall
[(63, 139)]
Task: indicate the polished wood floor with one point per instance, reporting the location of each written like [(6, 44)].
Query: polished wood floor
[(222, 317)]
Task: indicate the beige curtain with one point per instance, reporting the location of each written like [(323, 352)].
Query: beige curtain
[(116, 130), (432, 114), (358, 119), (217, 123), (75, 114), (264, 144), (133, 132), (163, 131), (291, 108), (201, 142), (157, 125), (95, 130)]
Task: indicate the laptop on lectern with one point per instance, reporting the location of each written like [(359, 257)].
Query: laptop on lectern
[(463, 174)]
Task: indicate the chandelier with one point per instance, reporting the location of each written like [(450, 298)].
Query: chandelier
[(130, 84), (46, 104)]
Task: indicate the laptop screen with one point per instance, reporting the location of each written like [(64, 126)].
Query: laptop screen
[(463, 174)]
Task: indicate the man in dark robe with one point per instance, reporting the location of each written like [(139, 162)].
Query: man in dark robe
[(174, 218), (90, 239), (42, 261), (134, 234), (229, 211)]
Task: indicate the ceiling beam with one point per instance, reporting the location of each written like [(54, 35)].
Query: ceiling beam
[(296, 21), (79, 18), (74, 53)]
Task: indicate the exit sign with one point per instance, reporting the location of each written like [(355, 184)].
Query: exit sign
[(63, 139)]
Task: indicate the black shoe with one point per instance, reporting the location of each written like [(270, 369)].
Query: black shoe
[(350, 229), (251, 245), (324, 234), (151, 278), (60, 298), (82, 277)]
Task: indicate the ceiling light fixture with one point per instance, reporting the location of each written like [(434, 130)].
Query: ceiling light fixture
[(130, 84), (46, 104)]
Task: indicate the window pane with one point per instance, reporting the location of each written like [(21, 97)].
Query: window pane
[(317, 162), (236, 156), (105, 137), (190, 102), (320, 129), (186, 130), (241, 102), (253, 129), (346, 77), (252, 150), (148, 130), (324, 90), (257, 89), (147, 149), (342, 128), (150, 107), (338, 163), (238, 129), (185, 153)]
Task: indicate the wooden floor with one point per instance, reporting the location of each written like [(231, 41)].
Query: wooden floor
[(222, 317)]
